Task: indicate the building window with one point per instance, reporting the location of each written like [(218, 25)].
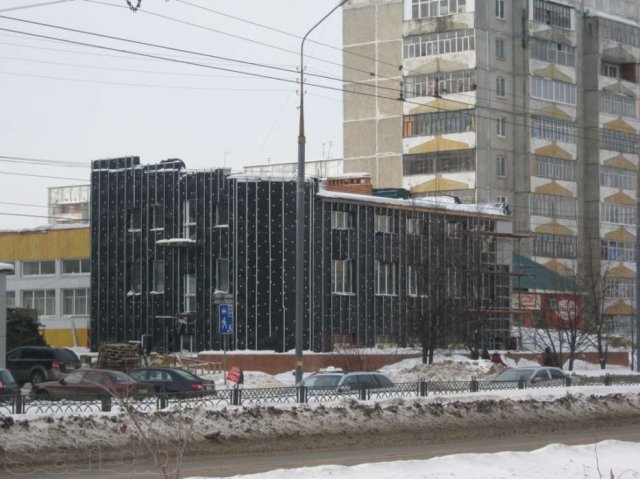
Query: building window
[(157, 216), (75, 301), (190, 292), (620, 287), (439, 123), (501, 166), (552, 13), (440, 161), (616, 104), (618, 251), (11, 299), (386, 274), (454, 230), (553, 129), (136, 277), (189, 220), (222, 274), (620, 214), (618, 178), (43, 267), (619, 32), (431, 44), (556, 246), (341, 220), (502, 200), (76, 265), (158, 276), (610, 70), (222, 215), (618, 141), (556, 168), (553, 206), (439, 83), (383, 223), (501, 87), (499, 8), (499, 47), (135, 219), (414, 226), (43, 301), (501, 126), (436, 8), (553, 52), (341, 276), (412, 281), (553, 90)]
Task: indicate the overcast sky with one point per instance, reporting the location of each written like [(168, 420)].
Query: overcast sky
[(70, 103)]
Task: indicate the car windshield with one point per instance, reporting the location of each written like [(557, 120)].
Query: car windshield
[(514, 375), (66, 355), (185, 374), (119, 377), (7, 378), (322, 381)]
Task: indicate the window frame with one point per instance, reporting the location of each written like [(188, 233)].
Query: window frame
[(342, 276), (76, 300), (386, 278), (84, 266), (48, 299), (40, 264)]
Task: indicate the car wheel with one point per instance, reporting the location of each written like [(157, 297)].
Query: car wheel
[(37, 377)]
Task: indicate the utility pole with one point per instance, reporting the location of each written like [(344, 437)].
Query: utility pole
[(300, 210)]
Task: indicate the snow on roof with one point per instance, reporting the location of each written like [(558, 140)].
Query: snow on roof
[(174, 242), (6, 268), (350, 175), (442, 202), (44, 228), (242, 177)]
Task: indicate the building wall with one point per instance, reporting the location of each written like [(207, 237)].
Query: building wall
[(56, 244), (561, 213), (257, 236)]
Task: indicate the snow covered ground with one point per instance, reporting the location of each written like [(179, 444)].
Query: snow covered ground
[(219, 428), (608, 459)]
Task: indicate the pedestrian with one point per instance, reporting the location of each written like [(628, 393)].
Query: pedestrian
[(496, 358)]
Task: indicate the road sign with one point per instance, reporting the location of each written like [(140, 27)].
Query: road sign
[(225, 319)]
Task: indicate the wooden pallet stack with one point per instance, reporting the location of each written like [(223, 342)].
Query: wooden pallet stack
[(119, 356)]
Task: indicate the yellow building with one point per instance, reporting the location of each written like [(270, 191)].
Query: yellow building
[(52, 275)]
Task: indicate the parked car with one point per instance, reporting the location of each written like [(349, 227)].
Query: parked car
[(345, 381), (173, 380), (39, 364), (91, 383), (8, 386), (535, 375)]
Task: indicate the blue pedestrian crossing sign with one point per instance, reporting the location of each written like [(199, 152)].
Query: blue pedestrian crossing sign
[(225, 319)]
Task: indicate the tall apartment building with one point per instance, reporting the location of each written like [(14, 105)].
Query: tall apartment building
[(528, 102)]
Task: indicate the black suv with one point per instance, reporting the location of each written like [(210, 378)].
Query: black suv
[(39, 364)]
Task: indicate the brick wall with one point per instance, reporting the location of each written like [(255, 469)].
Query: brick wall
[(275, 363)]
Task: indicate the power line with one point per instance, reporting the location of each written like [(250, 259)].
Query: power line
[(493, 109), (24, 204), (43, 176), (143, 85), (268, 45), (34, 5), (283, 32), (164, 47), (35, 216), (39, 161)]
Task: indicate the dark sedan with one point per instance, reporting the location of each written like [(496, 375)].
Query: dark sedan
[(91, 383), (173, 380)]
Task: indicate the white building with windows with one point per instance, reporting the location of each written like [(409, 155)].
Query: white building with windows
[(52, 276)]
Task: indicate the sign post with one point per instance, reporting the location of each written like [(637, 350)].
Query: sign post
[(225, 327)]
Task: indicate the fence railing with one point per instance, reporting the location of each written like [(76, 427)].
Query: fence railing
[(49, 405)]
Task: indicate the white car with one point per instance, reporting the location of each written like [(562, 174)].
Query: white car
[(535, 375)]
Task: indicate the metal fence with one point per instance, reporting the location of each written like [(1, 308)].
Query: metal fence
[(29, 404)]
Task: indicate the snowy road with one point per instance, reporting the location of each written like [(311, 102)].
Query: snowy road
[(248, 463)]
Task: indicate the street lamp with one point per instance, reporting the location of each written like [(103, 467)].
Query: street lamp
[(300, 209)]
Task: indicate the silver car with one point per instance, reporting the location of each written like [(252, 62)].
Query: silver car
[(534, 375)]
